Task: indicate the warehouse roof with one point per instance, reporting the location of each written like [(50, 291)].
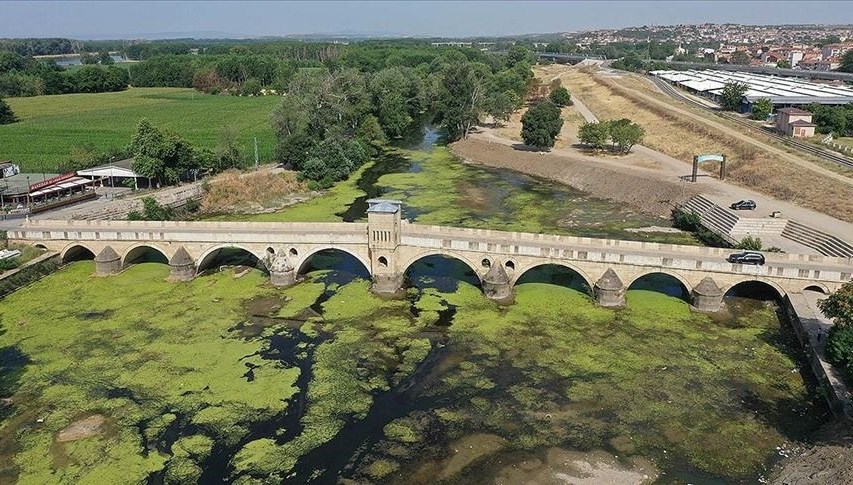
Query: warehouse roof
[(780, 90)]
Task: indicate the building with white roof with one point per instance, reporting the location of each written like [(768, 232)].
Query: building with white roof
[(781, 91)]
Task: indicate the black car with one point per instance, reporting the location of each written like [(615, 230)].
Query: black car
[(744, 205), (746, 257)]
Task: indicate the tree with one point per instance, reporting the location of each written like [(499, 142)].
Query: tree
[(541, 124), (784, 64), (561, 97), (105, 59), (86, 58), (839, 305), (596, 135), (161, 154), (625, 134), (500, 106), (847, 62), (731, 99), (740, 57), (761, 109), (7, 116), (461, 97), (227, 154)]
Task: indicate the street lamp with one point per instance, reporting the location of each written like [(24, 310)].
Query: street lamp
[(29, 198)]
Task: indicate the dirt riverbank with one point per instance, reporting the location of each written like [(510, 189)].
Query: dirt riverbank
[(829, 461), (625, 185)]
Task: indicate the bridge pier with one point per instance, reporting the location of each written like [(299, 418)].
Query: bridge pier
[(181, 266), (107, 262), (387, 284), (707, 297), (496, 284), (609, 290), (282, 272)]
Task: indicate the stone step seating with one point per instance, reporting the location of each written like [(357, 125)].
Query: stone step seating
[(755, 226), (713, 217), (824, 243)]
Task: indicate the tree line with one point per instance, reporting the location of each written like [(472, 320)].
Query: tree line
[(332, 120), (26, 76)]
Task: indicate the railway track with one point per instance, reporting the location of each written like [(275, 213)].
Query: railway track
[(821, 153)]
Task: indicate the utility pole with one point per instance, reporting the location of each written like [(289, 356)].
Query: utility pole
[(256, 153)]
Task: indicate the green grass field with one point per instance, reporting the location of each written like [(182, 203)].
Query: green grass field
[(51, 126)]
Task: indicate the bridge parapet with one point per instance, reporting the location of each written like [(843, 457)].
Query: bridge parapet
[(388, 246)]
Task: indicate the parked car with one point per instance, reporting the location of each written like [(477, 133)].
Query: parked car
[(744, 205), (746, 257)]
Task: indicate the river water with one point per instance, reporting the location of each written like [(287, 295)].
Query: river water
[(494, 403), (440, 386)]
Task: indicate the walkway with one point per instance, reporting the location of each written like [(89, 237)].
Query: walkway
[(812, 328)]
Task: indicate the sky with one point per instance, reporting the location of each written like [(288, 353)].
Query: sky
[(126, 19)]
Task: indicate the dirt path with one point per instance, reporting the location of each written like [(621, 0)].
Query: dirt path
[(734, 133), (568, 165)]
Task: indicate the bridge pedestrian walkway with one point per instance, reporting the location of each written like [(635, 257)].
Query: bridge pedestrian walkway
[(812, 328)]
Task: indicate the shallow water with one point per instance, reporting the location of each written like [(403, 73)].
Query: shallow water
[(227, 379)]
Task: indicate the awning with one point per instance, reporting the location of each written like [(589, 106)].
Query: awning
[(65, 185)]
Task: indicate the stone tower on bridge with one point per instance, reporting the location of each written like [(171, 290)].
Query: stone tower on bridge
[(383, 222)]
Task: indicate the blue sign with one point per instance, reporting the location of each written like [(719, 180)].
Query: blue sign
[(709, 158)]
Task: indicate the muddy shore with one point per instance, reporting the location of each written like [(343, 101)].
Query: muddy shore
[(626, 186)]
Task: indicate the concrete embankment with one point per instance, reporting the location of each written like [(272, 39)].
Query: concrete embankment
[(29, 272), (812, 328), (646, 193)]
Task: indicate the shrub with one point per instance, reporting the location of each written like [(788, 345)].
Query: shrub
[(561, 97), (839, 349), (687, 221), (750, 243)]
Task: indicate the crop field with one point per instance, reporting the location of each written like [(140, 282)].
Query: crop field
[(51, 126)]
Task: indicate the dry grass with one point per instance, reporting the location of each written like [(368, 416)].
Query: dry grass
[(234, 191), (681, 137)]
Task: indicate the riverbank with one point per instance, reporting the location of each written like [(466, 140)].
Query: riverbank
[(626, 185)]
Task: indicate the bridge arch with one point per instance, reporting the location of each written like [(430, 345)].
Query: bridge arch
[(685, 285), (819, 287), (404, 268), (75, 252), (210, 255), (306, 258), (40, 246), (780, 292), (138, 251), (519, 274)]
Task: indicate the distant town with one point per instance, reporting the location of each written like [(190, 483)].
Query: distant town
[(814, 47)]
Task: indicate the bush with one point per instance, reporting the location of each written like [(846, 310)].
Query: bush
[(541, 124), (687, 221), (152, 211), (839, 349), (561, 97), (750, 243)]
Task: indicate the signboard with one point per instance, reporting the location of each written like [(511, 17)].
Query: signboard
[(710, 158), (51, 181)]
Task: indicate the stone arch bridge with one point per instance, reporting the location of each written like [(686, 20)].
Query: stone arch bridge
[(387, 246)]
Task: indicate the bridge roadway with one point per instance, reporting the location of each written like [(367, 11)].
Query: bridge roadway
[(387, 246)]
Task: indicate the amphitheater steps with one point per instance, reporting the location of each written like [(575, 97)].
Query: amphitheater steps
[(825, 244)]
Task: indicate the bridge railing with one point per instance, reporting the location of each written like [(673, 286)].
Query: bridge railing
[(278, 227), (616, 245)]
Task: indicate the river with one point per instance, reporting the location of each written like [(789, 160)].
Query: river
[(228, 379)]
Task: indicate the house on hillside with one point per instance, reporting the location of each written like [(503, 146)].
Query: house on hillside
[(795, 122)]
